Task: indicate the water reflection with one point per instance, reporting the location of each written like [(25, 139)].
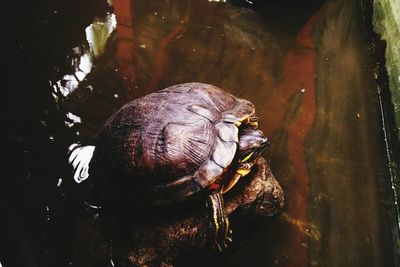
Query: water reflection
[(84, 55)]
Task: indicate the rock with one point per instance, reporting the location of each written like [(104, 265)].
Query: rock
[(156, 237)]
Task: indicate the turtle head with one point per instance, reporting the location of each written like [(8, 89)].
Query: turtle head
[(252, 144)]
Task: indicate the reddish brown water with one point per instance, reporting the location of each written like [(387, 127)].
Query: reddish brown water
[(309, 72)]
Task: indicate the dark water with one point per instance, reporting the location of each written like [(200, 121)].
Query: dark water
[(308, 68)]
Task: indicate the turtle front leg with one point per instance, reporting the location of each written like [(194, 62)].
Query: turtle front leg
[(242, 170), (219, 224)]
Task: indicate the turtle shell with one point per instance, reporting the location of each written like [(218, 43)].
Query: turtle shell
[(170, 144)]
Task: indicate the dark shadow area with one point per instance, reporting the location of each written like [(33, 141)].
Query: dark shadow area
[(38, 218)]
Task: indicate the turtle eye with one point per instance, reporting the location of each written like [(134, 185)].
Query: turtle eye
[(253, 121), (246, 156), (253, 118)]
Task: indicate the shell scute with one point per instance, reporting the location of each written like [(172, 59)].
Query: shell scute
[(242, 110), (181, 148), (207, 173), (223, 153), (227, 131), (214, 97), (208, 113)]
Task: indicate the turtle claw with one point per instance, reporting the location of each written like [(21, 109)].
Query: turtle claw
[(221, 234), (220, 245)]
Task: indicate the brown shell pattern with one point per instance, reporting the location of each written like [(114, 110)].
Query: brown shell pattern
[(176, 141)]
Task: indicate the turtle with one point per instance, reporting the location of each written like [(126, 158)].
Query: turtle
[(166, 146)]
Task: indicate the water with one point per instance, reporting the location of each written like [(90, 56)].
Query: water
[(308, 70)]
